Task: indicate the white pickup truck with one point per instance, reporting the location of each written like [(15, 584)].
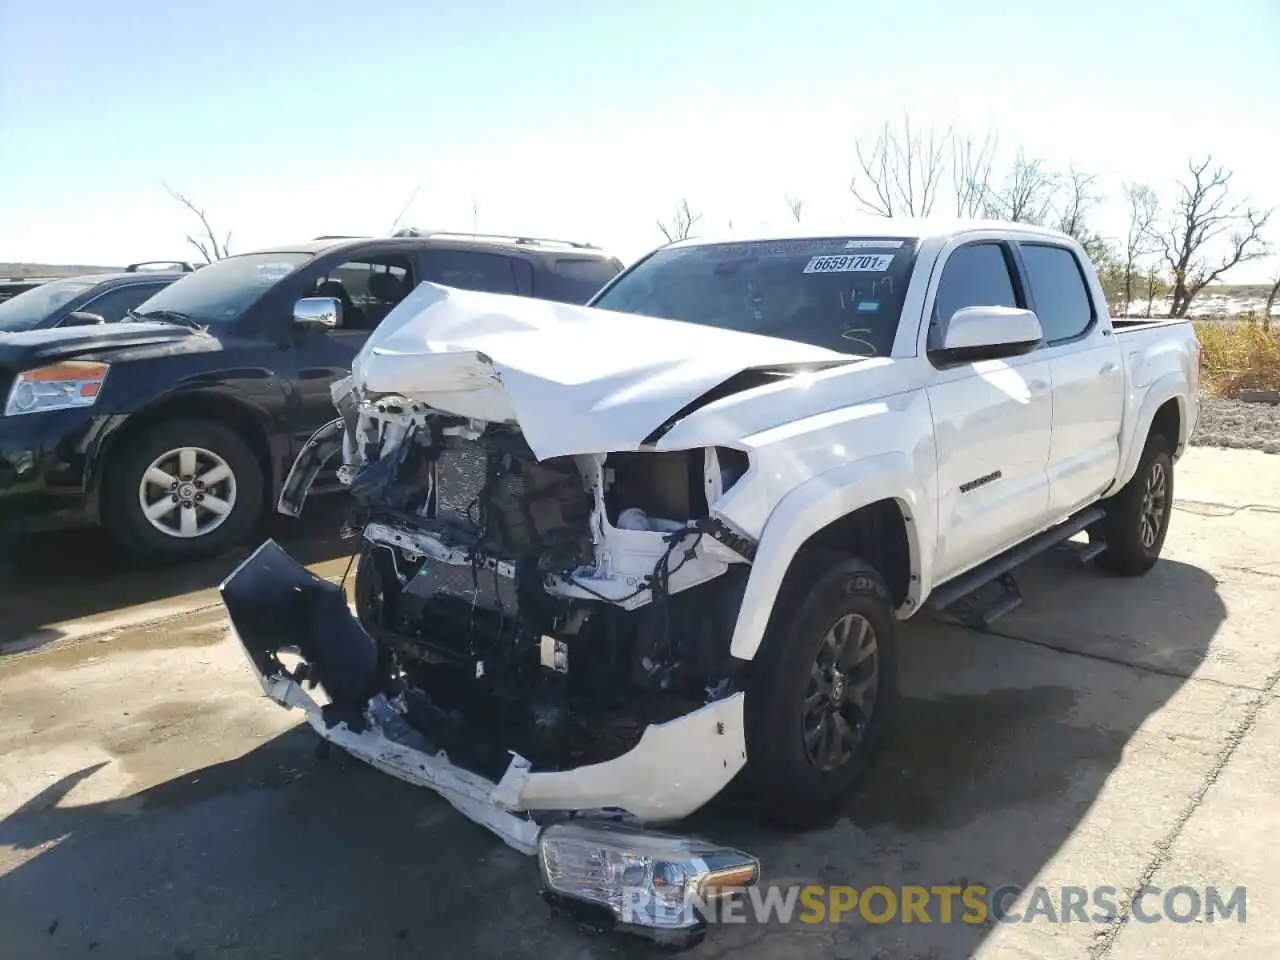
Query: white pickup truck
[(612, 556)]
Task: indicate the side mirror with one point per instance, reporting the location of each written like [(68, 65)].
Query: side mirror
[(81, 318), (318, 312), (989, 333)]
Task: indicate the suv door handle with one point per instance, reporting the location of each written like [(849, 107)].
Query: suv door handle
[(1108, 367)]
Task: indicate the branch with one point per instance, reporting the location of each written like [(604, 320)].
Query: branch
[(1202, 217), (207, 243), (404, 208), (681, 225), (902, 169)]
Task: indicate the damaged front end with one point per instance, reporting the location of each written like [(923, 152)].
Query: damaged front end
[(543, 642)]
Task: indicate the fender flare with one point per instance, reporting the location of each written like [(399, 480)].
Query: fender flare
[(810, 507), (1171, 386)]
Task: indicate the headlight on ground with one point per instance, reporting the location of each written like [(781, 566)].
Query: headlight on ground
[(652, 883), (60, 386)]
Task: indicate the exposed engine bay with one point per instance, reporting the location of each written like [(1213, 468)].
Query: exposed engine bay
[(554, 608)]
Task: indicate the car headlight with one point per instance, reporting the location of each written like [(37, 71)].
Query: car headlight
[(655, 884), (59, 386)]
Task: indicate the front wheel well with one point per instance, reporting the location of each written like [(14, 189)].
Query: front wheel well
[(877, 534), (217, 409)]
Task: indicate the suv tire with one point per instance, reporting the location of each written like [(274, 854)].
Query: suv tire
[(183, 490)]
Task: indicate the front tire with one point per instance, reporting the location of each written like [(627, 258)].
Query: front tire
[(1137, 518), (823, 689), (183, 490)]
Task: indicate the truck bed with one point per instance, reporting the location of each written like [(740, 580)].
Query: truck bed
[(1129, 324)]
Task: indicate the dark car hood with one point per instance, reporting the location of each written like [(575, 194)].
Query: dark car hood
[(33, 347)]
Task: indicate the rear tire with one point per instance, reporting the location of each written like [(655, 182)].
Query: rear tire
[(1137, 517), (183, 490), (823, 689)]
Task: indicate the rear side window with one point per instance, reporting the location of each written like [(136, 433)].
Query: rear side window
[(577, 280), (1058, 290), (975, 276), (487, 272)]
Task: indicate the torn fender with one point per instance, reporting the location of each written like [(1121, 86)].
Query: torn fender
[(275, 604)]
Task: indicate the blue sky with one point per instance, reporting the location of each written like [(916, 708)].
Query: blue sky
[(295, 118)]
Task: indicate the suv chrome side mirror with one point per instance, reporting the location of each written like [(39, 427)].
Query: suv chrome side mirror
[(318, 312), (989, 333)]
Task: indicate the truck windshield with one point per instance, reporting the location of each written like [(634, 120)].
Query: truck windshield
[(223, 290), (26, 310), (843, 294)]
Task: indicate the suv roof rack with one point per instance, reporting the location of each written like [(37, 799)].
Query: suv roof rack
[(179, 264), (494, 238)]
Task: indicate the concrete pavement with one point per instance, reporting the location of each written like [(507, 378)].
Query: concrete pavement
[(1109, 733)]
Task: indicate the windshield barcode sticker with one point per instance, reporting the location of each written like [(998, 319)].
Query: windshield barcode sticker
[(866, 263), (873, 245)]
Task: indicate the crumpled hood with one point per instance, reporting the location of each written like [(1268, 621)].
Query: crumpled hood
[(578, 380)]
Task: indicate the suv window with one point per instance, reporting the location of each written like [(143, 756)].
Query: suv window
[(577, 280), (1058, 290), (223, 290), (113, 304), (486, 272), (29, 308), (368, 288)]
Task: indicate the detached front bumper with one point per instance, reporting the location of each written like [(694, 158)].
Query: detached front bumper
[(275, 604)]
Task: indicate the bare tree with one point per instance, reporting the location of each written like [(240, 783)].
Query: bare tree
[(475, 214), (1081, 195), (1271, 302), (1204, 220), (1140, 240), (207, 241), (1153, 287), (1029, 192), (971, 174), (900, 172), (681, 225), (404, 208), (796, 206)]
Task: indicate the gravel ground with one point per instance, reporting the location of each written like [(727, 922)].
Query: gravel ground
[(1234, 423)]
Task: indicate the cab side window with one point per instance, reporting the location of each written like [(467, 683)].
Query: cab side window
[(975, 275), (1058, 290)]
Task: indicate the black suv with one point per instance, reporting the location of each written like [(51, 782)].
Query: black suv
[(86, 300), (175, 428)]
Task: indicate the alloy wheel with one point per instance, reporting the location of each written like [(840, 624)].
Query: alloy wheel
[(843, 683), (188, 492)]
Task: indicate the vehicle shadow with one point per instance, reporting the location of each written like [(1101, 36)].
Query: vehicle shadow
[(1003, 749), (70, 574)]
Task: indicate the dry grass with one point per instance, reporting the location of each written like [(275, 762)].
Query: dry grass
[(1239, 356)]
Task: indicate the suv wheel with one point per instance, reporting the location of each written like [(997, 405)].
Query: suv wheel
[(822, 690), (183, 490)]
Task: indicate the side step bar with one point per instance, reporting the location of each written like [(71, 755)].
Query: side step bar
[(962, 592)]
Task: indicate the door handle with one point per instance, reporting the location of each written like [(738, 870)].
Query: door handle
[(1108, 367)]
